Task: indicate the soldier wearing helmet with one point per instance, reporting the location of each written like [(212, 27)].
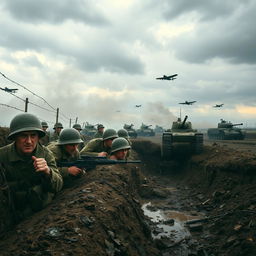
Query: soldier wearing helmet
[(46, 139), (83, 137), (120, 148), (66, 150), (57, 129), (30, 168), (99, 133), (100, 146), (124, 134)]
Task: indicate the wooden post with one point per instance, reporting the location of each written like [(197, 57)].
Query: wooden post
[(70, 123), (26, 105), (57, 116)]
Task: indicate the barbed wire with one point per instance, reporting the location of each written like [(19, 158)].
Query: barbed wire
[(9, 79), (1, 104)]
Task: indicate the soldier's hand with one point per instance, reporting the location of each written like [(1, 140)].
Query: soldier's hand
[(41, 165), (73, 170), (102, 154)]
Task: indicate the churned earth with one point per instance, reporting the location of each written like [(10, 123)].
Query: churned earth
[(204, 205)]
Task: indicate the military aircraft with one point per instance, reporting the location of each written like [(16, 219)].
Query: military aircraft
[(164, 77), (137, 106), (6, 89), (118, 111), (187, 102), (218, 105)]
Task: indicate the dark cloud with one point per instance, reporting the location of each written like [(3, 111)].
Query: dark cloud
[(50, 11)]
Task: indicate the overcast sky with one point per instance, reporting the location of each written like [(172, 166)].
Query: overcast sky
[(95, 60)]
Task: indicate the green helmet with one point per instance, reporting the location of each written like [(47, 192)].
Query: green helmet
[(77, 127), (119, 143), (44, 124), (58, 125), (109, 133), (100, 126), (23, 123), (123, 133), (69, 136)]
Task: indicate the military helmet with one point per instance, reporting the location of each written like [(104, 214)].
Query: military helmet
[(44, 124), (77, 127), (109, 133), (100, 126), (23, 123), (123, 133), (58, 125), (69, 136), (119, 143)]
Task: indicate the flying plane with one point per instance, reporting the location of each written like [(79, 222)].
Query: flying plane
[(6, 89), (164, 77), (137, 106), (218, 105), (187, 102), (118, 111)]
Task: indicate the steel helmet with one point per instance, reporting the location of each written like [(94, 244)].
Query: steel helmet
[(123, 133), (44, 124), (58, 125), (119, 143), (100, 126), (77, 127), (69, 136), (23, 123), (109, 133)]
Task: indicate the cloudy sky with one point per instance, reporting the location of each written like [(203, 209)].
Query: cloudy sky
[(95, 60)]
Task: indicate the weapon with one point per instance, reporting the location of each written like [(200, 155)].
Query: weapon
[(184, 121), (237, 124), (90, 162)]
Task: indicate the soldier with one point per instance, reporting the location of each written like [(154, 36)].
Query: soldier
[(99, 133), (66, 150), (100, 146), (124, 134), (57, 129), (46, 139), (30, 168), (83, 137), (120, 148)]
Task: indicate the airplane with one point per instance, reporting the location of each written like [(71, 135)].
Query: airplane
[(187, 102), (6, 89), (218, 105), (118, 111), (137, 106), (164, 77)]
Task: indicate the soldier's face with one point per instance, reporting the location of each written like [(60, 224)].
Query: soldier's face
[(121, 154), (101, 130), (44, 128), (71, 148), (108, 142), (58, 130), (26, 142)]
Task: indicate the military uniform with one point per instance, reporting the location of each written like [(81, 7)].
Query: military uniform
[(46, 139), (31, 190), (61, 156), (98, 134), (54, 137), (94, 147)]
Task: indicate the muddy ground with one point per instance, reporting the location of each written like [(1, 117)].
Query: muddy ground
[(208, 202)]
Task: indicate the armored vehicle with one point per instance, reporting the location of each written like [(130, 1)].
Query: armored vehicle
[(181, 141), (145, 130), (132, 133), (89, 129), (158, 129), (226, 131)]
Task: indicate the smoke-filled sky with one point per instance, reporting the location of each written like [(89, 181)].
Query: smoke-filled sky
[(96, 60)]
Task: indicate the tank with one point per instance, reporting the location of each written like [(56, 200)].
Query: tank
[(89, 129), (145, 130), (158, 129), (132, 132), (181, 141), (226, 131)]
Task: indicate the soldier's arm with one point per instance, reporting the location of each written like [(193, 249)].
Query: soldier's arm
[(89, 149)]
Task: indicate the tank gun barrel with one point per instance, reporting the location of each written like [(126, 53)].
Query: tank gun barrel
[(184, 121), (237, 124)]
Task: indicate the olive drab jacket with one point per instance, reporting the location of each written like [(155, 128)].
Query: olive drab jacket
[(46, 139), (62, 156), (31, 191), (98, 135), (93, 147), (54, 136)]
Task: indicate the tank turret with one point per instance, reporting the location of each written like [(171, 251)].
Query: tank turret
[(131, 132), (145, 130)]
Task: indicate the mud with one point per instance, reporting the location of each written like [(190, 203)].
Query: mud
[(202, 206)]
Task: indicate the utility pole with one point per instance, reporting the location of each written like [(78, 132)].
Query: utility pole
[(70, 123), (76, 120), (26, 105), (57, 116)]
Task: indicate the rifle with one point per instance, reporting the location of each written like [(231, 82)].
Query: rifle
[(90, 162)]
